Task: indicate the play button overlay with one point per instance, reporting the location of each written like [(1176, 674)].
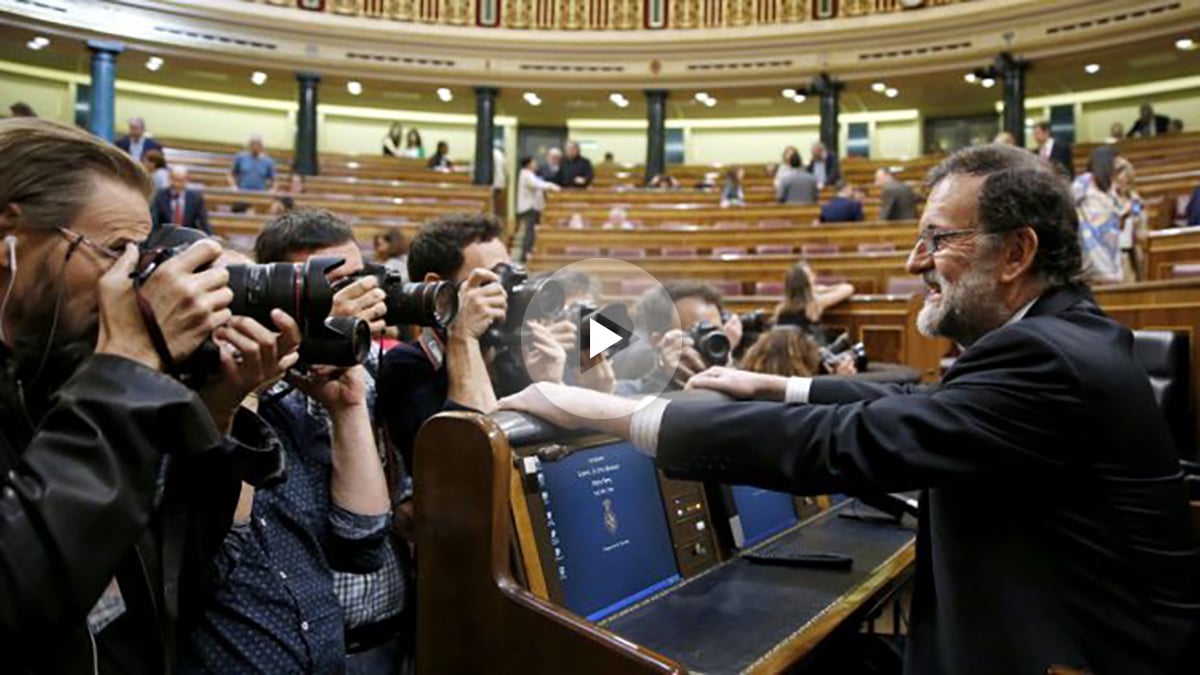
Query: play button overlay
[(602, 334)]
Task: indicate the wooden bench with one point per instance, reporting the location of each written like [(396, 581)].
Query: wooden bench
[(1170, 247), (348, 205)]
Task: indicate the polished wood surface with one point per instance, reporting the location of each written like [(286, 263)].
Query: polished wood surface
[(472, 614)]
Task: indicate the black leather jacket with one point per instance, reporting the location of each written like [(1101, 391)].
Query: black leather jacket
[(125, 476)]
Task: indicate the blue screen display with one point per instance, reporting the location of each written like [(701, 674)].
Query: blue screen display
[(762, 512), (608, 531)]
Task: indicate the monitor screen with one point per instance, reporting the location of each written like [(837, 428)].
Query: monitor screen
[(760, 514), (608, 531)]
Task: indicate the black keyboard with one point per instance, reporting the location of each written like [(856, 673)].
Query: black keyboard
[(794, 552)]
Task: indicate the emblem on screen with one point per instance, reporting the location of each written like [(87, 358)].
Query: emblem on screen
[(610, 518)]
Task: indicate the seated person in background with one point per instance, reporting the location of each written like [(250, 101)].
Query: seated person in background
[(844, 208), (136, 142), (819, 167), (609, 160), (1149, 124), (392, 141), (1192, 215), (804, 301), (309, 564), (618, 220), (733, 193), (440, 161), (391, 251), (452, 369), (414, 148), (1052, 149), (786, 167), (1176, 126), (577, 170), (663, 181), (576, 221), (156, 166), (252, 168), (667, 319), (1004, 138), (897, 200), (281, 204), (785, 351), (798, 186), (179, 204), (1116, 132)]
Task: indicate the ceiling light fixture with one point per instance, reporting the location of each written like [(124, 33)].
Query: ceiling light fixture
[(789, 93), (532, 98), (988, 82), (38, 43), (710, 102), (154, 63), (354, 87), (891, 92), (445, 94), (799, 98), (259, 78), (1185, 44), (879, 87), (971, 78), (703, 97), (1092, 68)]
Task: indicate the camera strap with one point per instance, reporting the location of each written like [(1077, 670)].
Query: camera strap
[(152, 328), (434, 347)]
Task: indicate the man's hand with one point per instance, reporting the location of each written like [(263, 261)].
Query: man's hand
[(481, 302), (679, 357), (187, 305), (252, 358), (363, 299), (338, 389), (545, 361), (733, 330), (844, 365), (565, 333), (573, 407), (599, 377), (740, 383)]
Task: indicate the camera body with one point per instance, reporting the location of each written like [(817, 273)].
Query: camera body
[(837, 349), (411, 303), (302, 290), (711, 343), (528, 300)]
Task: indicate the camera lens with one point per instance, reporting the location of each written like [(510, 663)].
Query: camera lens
[(257, 289), (338, 341), (541, 299), (714, 348), (420, 303)]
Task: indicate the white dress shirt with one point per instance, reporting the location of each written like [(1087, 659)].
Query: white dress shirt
[(646, 421)]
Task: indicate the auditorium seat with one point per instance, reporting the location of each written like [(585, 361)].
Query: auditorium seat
[(625, 253), (583, 251), (768, 288), (773, 249), (678, 251), (728, 250), (728, 287), (1164, 355), (881, 247), (1186, 270), (908, 285), (774, 223), (818, 249)]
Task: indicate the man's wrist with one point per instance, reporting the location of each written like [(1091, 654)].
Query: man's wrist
[(771, 388), (145, 355), (347, 411)]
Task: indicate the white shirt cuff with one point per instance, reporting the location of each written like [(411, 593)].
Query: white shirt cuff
[(645, 423), (797, 390)]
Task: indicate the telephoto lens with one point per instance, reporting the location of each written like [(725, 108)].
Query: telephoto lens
[(412, 303), (711, 342), (528, 300)]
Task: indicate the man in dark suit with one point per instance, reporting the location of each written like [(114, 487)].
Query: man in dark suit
[(843, 208), (179, 205), (821, 168), (577, 170), (1054, 526), (1052, 149), (1148, 124), (897, 200), (136, 143), (551, 170), (1193, 208)]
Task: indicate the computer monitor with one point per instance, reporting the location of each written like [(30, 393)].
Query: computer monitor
[(608, 533), (758, 514)]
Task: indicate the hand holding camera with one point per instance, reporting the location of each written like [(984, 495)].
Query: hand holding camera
[(337, 389), (482, 302), (545, 361), (186, 304), (252, 357), (678, 355), (362, 299)]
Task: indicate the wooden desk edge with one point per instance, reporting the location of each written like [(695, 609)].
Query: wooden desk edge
[(807, 637)]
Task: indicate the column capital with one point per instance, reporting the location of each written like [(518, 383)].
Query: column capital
[(486, 90), (106, 46), (823, 84), (656, 93), (308, 77)]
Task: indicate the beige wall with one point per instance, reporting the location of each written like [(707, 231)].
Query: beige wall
[(225, 121), (896, 140), (748, 145), (627, 145), (49, 98), (1096, 118), (340, 133)]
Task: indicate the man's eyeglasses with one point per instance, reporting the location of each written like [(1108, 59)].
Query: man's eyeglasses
[(76, 239), (929, 241)]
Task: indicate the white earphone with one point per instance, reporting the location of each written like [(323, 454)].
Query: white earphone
[(11, 242)]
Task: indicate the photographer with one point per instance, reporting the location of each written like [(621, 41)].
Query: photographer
[(93, 427), (308, 580), (684, 335), (452, 369), (580, 297)]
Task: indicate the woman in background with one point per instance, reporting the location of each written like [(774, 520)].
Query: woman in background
[(1133, 219), (391, 251), (1100, 217), (804, 301), (391, 142), (413, 147), (733, 194), (783, 350), (441, 158), (156, 166)]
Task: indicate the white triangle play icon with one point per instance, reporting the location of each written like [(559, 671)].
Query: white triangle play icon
[(600, 338)]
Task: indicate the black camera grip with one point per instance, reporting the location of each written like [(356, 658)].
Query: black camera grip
[(157, 339)]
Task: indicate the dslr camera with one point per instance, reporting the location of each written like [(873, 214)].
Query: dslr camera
[(837, 350), (528, 300), (410, 303), (302, 290), (711, 342)]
